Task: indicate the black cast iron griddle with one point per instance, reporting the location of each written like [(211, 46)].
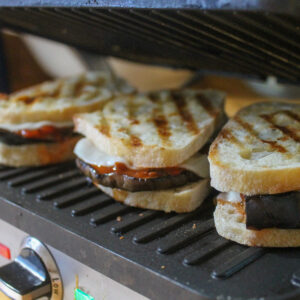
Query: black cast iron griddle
[(162, 256)]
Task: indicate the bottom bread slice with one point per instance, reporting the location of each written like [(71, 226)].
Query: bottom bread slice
[(230, 224), (183, 199), (37, 154)]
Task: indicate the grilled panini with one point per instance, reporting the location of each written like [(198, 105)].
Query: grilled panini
[(255, 162), (36, 125), (143, 150)]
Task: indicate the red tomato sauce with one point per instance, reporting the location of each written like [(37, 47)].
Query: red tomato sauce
[(45, 132), (122, 169)]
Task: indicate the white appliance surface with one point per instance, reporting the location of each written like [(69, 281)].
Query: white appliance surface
[(95, 284)]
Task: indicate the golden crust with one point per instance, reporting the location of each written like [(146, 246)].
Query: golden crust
[(229, 224), (60, 99), (180, 200), (258, 151), (154, 130), (255, 182), (37, 154)]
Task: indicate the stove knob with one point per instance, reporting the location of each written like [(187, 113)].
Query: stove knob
[(33, 274)]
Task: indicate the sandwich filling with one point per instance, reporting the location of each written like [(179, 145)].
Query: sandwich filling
[(33, 133), (115, 172), (266, 211)]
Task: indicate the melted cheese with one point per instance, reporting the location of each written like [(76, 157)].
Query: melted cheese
[(87, 151), (34, 125), (233, 197)]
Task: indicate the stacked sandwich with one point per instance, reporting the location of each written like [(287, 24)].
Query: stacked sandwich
[(255, 162), (145, 149), (36, 125)]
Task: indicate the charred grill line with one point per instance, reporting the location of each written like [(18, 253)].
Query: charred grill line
[(159, 119), (161, 124), (290, 133), (207, 105), (57, 91), (249, 128), (184, 113), (226, 134), (134, 140), (105, 129), (77, 90), (292, 115)]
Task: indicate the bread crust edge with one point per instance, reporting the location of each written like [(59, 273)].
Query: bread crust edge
[(229, 224), (254, 182), (37, 154), (142, 156), (180, 200)]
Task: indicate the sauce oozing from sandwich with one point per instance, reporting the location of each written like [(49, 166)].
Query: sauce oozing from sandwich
[(122, 169), (45, 132)]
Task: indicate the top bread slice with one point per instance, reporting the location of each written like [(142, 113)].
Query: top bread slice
[(155, 130), (60, 99), (258, 151)]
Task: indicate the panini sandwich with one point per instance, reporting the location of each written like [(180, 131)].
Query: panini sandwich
[(255, 163), (143, 150), (36, 125)]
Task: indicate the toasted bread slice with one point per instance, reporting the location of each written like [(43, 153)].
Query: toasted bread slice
[(229, 222), (258, 151), (60, 99), (37, 154), (155, 130), (183, 199)]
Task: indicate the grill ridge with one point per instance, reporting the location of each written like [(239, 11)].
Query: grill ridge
[(135, 221), (174, 243), (206, 251), (188, 240), (248, 42), (49, 182), (109, 213), (237, 263), (90, 205)]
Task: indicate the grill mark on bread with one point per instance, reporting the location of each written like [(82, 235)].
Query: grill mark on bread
[(159, 120), (208, 107), (39, 95), (184, 113), (135, 141), (105, 129), (291, 115), (92, 95), (134, 122), (153, 97), (227, 135), (27, 100), (249, 128), (162, 126), (79, 85), (283, 129), (56, 93)]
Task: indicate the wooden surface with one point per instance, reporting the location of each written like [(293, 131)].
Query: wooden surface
[(23, 70)]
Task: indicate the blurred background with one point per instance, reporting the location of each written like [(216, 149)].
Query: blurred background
[(30, 60)]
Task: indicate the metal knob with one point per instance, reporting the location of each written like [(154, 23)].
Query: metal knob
[(33, 274)]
